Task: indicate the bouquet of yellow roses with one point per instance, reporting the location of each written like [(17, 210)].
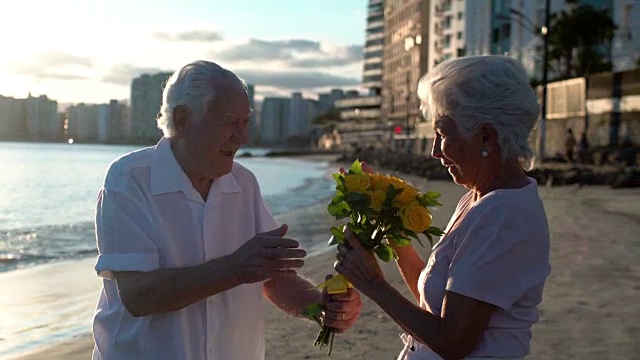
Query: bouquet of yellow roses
[(379, 207)]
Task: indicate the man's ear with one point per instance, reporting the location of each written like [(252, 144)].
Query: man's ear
[(180, 118)]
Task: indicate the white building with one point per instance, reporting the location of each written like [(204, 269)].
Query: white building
[(146, 98), (42, 118), (273, 114), (512, 27), (626, 42), (374, 48), (12, 118), (301, 112)]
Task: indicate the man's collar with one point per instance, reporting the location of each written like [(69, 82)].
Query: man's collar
[(167, 175)]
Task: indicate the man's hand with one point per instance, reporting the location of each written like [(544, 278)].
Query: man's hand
[(267, 255), (342, 309)]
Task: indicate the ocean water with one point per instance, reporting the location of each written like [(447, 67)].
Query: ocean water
[(48, 289), (48, 193)]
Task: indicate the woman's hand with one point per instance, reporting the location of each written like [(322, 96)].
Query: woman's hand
[(358, 265)]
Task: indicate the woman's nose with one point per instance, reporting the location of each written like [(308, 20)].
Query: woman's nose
[(435, 149)]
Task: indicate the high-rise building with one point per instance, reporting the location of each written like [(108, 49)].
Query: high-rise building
[(626, 42), (42, 118), (362, 123), (301, 112), (272, 123), (119, 122), (374, 48), (146, 99), (13, 115), (254, 126), (405, 60), (327, 102)]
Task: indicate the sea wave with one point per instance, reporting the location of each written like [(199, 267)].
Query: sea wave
[(20, 248)]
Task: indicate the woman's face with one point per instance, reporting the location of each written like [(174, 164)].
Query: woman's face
[(461, 156)]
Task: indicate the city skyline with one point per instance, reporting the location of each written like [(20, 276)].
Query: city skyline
[(74, 51)]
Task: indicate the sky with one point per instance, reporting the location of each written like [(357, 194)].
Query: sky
[(88, 51)]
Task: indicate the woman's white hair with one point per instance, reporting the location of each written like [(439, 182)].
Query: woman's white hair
[(195, 86), (486, 89)]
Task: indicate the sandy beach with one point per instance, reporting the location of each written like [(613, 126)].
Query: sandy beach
[(589, 309)]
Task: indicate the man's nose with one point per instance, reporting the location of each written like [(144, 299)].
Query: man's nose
[(241, 135)]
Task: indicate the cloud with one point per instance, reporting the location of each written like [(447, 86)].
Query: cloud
[(296, 53), (53, 65), (257, 49), (123, 74), (42, 72), (337, 56), (193, 35), (56, 59), (294, 80)]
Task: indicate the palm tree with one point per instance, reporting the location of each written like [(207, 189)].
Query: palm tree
[(577, 40)]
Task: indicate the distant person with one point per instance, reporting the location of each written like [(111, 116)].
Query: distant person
[(627, 153), (478, 294), (569, 145), (187, 247), (583, 150)]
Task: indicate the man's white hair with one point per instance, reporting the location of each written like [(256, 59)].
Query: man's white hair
[(195, 86), (485, 89)]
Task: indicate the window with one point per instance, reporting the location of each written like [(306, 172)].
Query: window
[(447, 41), (447, 22), (496, 35), (460, 15), (506, 31), (459, 35)]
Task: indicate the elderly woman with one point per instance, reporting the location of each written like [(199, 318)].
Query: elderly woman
[(479, 291)]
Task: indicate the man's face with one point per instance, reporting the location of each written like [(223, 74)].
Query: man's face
[(210, 143)]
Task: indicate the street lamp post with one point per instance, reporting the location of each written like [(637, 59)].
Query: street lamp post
[(545, 79), (407, 98)]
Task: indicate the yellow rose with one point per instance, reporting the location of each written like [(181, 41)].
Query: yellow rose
[(377, 199), (356, 183), (415, 217), (407, 195), (379, 182)]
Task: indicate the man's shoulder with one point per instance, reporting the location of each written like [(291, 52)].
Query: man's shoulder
[(242, 173), (121, 168)]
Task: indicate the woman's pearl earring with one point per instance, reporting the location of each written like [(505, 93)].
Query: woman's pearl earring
[(485, 153)]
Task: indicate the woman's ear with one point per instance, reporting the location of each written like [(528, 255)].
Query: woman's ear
[(489, 136)]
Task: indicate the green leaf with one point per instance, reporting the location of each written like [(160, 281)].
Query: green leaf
[(338, 234), (356, 168), (359, 202), (435, 231), (339, 210), (334, 241), (401, 241), (313, 310), (384, 252), (410, 233), (432, 194), (429, 237), (337, 177), (354, 227)]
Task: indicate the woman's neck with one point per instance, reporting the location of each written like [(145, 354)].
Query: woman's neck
[(509, 175)]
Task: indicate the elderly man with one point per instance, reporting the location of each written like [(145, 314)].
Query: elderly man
[(186, 244)]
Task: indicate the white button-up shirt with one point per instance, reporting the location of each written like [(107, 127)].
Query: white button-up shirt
[(149, 216)]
